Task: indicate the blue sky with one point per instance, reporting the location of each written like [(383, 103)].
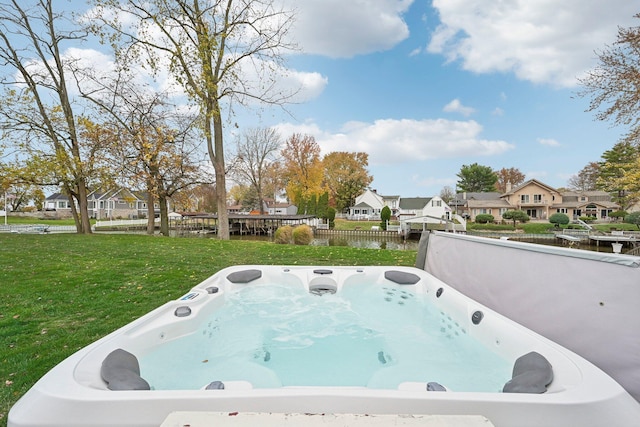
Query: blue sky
[(425, 87)]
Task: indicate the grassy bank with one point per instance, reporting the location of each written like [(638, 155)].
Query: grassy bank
[(546, 227), (59, 293)]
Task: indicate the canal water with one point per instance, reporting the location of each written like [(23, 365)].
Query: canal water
[(397, 243), (366, 242)]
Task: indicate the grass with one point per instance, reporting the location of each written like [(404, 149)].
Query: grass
[(546, 227), (343, 224), (60, 292)]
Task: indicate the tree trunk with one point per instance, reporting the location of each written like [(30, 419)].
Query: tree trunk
[(74, 213), (223, 216), (261, 201), (221, 185), (164, 214), (84, 207), (151, 214), (81, 212)]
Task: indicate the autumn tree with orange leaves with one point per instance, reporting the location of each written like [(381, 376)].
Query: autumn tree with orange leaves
[(303, 170), (346, 177), (508, 176)]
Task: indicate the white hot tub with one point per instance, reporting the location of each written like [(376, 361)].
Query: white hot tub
[(382, 340)]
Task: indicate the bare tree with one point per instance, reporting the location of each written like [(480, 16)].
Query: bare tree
[(614, 84), (152, 141), (37, 107), (586, 179), (211, 49), (447, 194), (256, 150)]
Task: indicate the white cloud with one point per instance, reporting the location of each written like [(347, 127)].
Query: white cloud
[(258, 75), (456, 106), (342, 29), (549, 142), (390, 141), (305, 85), (543, 41)]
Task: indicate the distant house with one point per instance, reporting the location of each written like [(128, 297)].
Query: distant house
[(104, 204), (115, 203), (58, 202), (470, 204), (120, 203), (269, 206), (369, 204), (142, 200), (538, 200), (272, 207), (596, 204), (236, 209), (433, 207)]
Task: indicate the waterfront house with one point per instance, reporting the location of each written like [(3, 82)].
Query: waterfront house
[(538, 200), (433, 207), (369, 204)]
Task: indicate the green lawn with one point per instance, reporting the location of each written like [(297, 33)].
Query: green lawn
[(546, 227), (59, 293)]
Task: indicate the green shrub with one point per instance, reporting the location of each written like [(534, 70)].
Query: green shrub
[(283, 235), (484, 218), (559, 219), (385, 215), (302, 235), (331, 216), (618, 214), (516, 215), (633, 218)]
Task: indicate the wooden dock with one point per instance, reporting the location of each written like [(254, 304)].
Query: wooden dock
[(614, 238), (361, 233), (239, 224)]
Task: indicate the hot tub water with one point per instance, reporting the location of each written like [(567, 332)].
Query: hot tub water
[(363, 336)]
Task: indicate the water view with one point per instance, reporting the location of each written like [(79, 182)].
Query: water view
[(398, 243)]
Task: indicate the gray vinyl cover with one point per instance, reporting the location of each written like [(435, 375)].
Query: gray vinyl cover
[(586, 301)]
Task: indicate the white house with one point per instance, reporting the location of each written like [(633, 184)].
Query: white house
[(369, 204), (433, 207), (279, 208)]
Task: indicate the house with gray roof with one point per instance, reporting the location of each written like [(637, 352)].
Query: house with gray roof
[(369, 204), (59, 203), (433, 207), (118, 202), (538, 200)]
